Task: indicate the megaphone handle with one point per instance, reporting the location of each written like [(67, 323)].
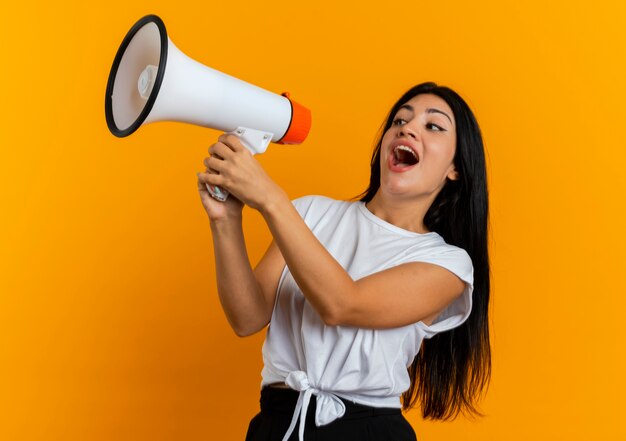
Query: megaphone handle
[(217, 193), (254, 140)]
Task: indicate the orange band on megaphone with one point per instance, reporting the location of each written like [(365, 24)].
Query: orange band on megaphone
[(300, 123)]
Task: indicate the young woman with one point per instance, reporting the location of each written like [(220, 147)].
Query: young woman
[(373, 305)]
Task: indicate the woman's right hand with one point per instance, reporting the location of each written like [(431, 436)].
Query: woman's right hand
[(230, 209)]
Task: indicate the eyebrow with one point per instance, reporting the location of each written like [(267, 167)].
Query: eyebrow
[(429, 110)]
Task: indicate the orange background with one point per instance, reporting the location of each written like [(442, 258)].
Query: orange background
[(110, 326)]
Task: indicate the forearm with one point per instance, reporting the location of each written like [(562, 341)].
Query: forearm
[(238, 290), (323, 281)]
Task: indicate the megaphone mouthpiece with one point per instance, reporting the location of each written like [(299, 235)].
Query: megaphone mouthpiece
[(146, 80)]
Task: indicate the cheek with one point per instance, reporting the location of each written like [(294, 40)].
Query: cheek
[(438, 159), (443, 149), (387, 137), (451, 145)]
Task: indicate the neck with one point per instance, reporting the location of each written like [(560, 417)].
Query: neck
[(407, 214)]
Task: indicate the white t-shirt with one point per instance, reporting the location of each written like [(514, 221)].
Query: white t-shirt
[(366, 366)]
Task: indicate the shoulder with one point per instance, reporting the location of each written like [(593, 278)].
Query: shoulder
[(316, 201), (319, 211), (316, 205), (454, 252), (438, 252)]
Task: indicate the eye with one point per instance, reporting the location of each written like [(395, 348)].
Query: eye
[(435, 127), (398, 122)]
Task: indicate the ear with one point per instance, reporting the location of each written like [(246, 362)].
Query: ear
[(453, 175)]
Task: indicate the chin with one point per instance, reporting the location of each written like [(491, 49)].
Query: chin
[(396, 189)]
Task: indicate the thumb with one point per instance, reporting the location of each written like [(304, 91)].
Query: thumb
[(201, 184)]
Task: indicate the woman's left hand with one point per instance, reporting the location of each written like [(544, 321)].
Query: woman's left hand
[(240, 173)]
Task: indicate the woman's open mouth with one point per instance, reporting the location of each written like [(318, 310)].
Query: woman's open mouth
[(402, 159)]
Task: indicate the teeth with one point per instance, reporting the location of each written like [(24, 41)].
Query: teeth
[(406, 149)]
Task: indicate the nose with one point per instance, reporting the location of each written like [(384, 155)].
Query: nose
[(407, 131)]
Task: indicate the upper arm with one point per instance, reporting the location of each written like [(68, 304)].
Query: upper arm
[(402, 295), (267, 273)]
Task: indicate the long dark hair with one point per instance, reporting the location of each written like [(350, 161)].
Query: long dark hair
[(453, 368)]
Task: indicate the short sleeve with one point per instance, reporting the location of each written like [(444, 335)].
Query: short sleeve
[(302, 204), (458, 262), (312, 208)]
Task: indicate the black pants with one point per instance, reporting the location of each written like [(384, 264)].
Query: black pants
[(359, 423)]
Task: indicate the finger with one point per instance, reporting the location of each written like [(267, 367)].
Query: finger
[(205, 162), (222, 150), (231, 141), (216, 165), (201, 185), (211, 179)]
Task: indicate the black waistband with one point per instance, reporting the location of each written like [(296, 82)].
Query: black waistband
[(284, 401)]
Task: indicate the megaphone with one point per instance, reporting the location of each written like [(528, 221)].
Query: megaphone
[(152, 80)]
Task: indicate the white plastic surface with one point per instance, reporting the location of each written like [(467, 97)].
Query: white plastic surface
[(197, 94)]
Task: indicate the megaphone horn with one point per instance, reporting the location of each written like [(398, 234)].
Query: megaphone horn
[(152, 80)]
